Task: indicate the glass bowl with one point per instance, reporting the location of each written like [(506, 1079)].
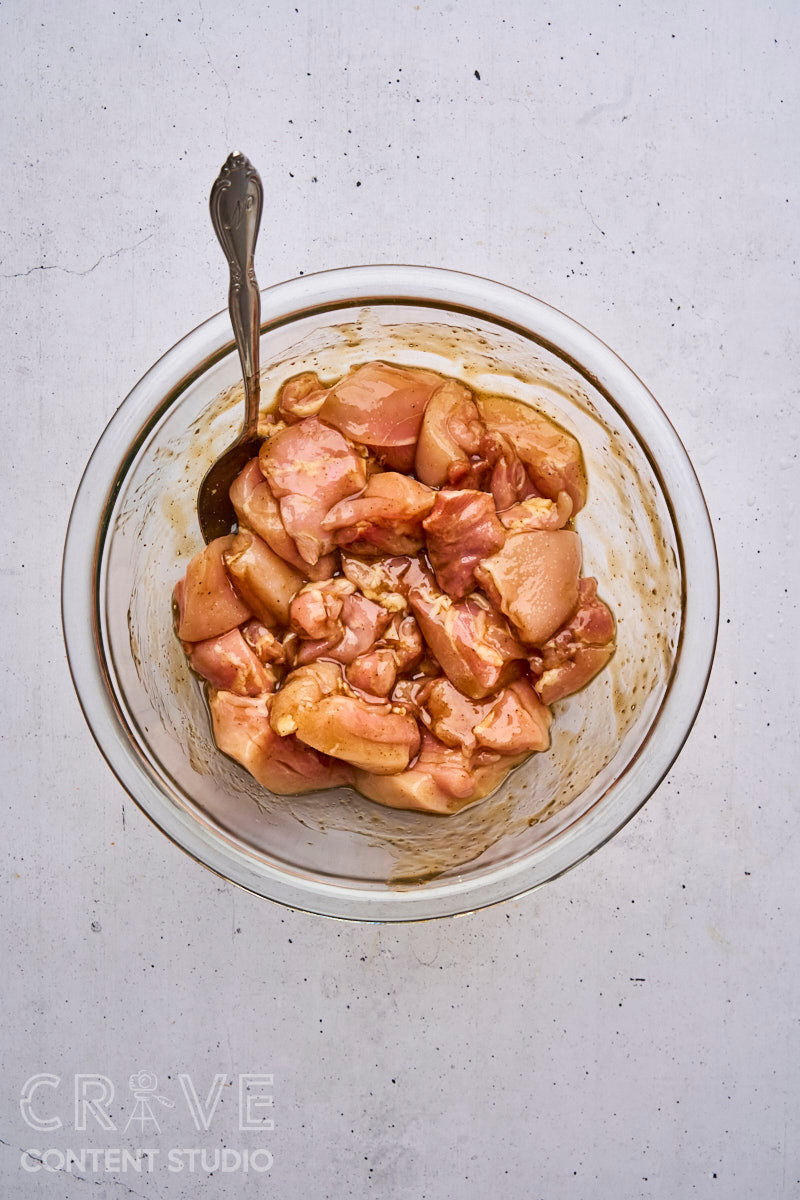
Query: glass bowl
[(646, 535)]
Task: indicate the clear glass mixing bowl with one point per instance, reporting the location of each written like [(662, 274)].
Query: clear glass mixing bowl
[(645, 532)]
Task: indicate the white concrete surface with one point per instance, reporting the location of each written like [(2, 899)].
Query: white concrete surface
[(632, 1029)]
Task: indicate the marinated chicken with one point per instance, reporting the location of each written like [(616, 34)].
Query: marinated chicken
[(403, 599)]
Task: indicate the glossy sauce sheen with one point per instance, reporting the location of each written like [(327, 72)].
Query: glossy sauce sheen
[(404, 591)]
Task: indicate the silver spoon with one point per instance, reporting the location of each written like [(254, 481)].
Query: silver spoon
[(236, 201)]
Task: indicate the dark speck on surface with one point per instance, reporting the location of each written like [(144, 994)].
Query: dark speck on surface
[(477, 74)]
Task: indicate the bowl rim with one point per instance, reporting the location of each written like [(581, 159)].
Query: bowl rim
[(456, 291)]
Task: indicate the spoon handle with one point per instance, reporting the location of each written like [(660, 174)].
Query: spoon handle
[(236, 201)]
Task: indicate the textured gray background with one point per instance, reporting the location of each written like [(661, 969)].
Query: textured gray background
[(631, 1029)]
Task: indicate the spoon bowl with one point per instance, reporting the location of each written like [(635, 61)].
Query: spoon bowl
[(214, 509)]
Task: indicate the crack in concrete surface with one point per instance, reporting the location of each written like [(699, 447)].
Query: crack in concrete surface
[(107, 1179), (71, 270)]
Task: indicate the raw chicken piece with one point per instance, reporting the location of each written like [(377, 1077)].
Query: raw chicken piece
[(538, 513), (513, 722), (386, 581), (450, 715), (400, 649), (267, 647), (495, 467), (257, 509), (208, 604), (508, 480), (534, 580), (364, 622), (461, 529), (471, 641), (387, 518), (578, 651), (282, 764), (381, 407), (301, 396), (517, 723), (374, 672), (262, 578), (451, 432), (441, 781), (360, 625), (314, 612), (228, 662), (560, 682), (592, 623), (316, 704), (552, 456), (310, 467)]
